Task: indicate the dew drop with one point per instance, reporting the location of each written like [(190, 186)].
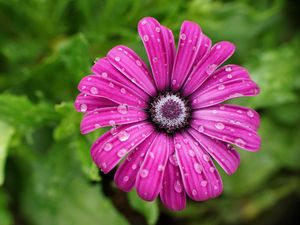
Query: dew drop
[(134, 166), (177, 146), (160, 168), (122, 109), (191, 153), (201, 128), (218, 46), (198, 168), (104, 74), (211, 68), (117, 58), (194, 192), (125, 179), (144, 173), (228, 69), (154, 59), (112, 123), (96, 125), (108, 147), (83, 107), (229, 76), (220, 126), (111, 84), (122, 152), (123, 90), (250, 113), (183, 36), (221, 87), (203, 183), (240, 142), (185, 141), (177, 187), (212, 169), (94, 90), (206, 157), (123, 136), (174, 82), (173, 160), (157, 29), (146, 37), (138, 62)]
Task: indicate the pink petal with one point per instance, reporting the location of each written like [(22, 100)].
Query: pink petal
[(190, 40), (170, 48), (85, 103), (203, 50), (98, 86), (111, 116), (220, 92), (105, 69), (111, 147), (133, 67), (219, 53), (231, 131), (149, 179), (126, 174), (172, 193), (200, 177), (158, 48), (225, 155)]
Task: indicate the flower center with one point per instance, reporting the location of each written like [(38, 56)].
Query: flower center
[(169, 112)]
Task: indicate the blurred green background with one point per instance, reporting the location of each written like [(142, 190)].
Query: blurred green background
[(47, 46)]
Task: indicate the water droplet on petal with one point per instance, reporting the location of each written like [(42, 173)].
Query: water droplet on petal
[(228, 69), (194, 192), (201, 128), (212, 169), (134, 166), (206, 157), (218, 46), (220, 126), (94, 90), (173, 160), (240, 142), (250, 113), (177, 187), (123, 136), (154, 59), (122, 108), (203, 183), (185, 141), (183, 36), (138, 62), (117, 58), (104, 74), (221, 87), (125, 179), (108, 147), (177, 146), (198, 168), (191, 153), (96, 125), (160, 168), (144, 173), (111, 84), (83, 107), (229, 76), (122, 152), (146, 38), (157, 29), (211, 68)]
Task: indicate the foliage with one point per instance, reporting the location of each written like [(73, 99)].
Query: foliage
[(46, 47)]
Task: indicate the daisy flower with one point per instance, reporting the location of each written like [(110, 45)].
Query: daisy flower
[(168, 124)]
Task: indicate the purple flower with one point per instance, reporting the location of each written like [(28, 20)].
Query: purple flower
[(169, 123)]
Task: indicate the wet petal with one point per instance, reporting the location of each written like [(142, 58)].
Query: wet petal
[(203, 50), (149, 179), (105, 69), (172, 194), (111, 116), (218, 54), (85, 103), (220, 92), (225, 155), (111, 147), (98, 86), (200, 177), (125, 176), (190, 40), (231, 131), (159, 50), (133, 67)]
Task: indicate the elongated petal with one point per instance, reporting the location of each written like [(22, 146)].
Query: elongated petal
[(200, 177), (172, 194), (225, 155), (203, 50), (217, 93), (219, 53), (111, 147), (149, 180), (125, 176), (111, 116), (158, 52), (228, 131), (133, 67), (189, 43), (170, 48), (105, 69), (97, 86), (85, 103)]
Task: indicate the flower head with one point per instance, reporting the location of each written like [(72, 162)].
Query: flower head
[(168, 122)]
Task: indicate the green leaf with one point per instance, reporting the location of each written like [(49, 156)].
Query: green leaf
[(6, 132), (148, 209)]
